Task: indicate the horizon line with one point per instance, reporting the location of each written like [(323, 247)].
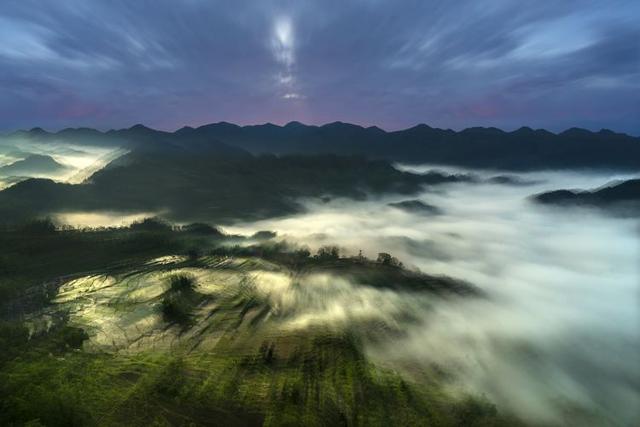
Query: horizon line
[(296, 122)]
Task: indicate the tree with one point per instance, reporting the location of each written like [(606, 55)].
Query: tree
[(328, 252), (303, 253), (386, 259)]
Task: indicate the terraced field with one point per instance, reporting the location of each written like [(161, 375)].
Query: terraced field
[(235, 339)]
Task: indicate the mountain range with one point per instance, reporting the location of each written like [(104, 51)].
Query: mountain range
[(479, 147)]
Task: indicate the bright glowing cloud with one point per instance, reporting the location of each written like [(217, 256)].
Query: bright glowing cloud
[(283, 47), (283, 43)]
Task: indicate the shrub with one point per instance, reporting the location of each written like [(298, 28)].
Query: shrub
[(176, 308), (73, 337), (179, 299), (181, 282)]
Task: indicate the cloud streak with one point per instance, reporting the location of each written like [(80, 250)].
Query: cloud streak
[(166, 64)]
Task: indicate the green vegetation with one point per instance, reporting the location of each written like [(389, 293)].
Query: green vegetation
[(181, 282), (325, 380), (179, 301), (203, 344)]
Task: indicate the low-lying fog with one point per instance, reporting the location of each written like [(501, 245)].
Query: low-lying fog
[(558, 335), (81, 161)]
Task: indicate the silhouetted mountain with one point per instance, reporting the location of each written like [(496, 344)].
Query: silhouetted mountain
[(34, 164), (622, 197), (416, 206), (80, 136), (522, 149)]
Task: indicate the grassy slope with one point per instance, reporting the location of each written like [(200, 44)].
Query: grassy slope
[(252, 376), (324, 381)]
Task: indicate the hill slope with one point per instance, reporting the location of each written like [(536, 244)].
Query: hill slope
[(33, 165), (221, 185), (621, 197)]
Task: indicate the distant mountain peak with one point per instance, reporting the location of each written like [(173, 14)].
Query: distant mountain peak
[(78, 131), (270, 125), (219, 125), (225, 123), (376, 129), (341, 125), (185, 129), (421, 126), (483, 130), (33, 164), (139, 126), (575, 131)]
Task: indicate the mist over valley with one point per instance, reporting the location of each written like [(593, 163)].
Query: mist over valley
[(284, 213)]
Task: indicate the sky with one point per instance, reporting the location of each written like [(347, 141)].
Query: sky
[(394, 64)]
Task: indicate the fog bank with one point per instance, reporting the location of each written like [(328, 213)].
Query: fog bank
[(557, 339)]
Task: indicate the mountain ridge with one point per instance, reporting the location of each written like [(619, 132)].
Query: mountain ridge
[(477, 147), (422, 125)]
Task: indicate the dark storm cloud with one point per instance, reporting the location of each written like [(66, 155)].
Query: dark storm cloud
[(391, 63)]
